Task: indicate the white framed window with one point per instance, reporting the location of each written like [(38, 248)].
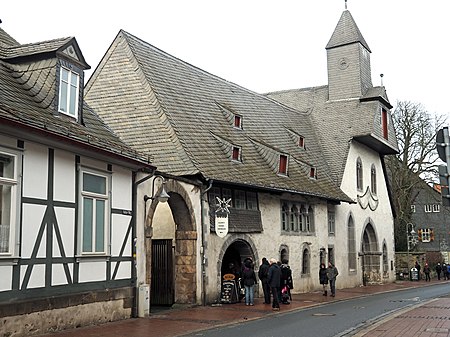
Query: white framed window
[(95, 211), (426, 234), (9, 200), (436, 208), (428, 208), (69, 90), (413, 208)]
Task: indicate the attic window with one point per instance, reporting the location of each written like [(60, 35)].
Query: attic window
[(238, 121), (236, 153), (313, 173), (282, 167), (301, 142), (69, 88)]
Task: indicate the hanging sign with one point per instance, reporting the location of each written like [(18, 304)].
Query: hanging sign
[(221, 221)]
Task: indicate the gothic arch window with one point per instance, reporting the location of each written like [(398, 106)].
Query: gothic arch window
[(351, 242), (305, 261), (385, 261), (359, 174), (284, 253), (284, 217), (293, 219), (373, 179)]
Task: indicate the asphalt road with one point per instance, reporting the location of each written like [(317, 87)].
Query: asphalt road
[(341, 318)]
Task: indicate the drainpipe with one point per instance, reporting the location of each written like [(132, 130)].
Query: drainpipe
[(202, 249), (134, 311)]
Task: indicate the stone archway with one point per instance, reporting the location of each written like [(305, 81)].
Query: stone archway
[(185, 243), (370, 256)]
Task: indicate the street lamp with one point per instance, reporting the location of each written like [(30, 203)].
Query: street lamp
[(163, 196)]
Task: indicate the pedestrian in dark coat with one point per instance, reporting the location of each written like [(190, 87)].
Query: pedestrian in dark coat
[(263, 274), (332, 273), (445, 271), (323, 279), (274, 282), (438, 271), (427, 271), (249, 281)]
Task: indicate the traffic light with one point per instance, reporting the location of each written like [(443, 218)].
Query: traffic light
[(443, 149)]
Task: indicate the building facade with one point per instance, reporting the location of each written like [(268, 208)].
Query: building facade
[(67, 196), (297, 174)]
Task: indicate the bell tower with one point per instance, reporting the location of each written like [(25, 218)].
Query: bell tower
[(348, 60)]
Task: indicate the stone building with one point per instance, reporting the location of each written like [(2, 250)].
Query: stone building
[(297, 174)]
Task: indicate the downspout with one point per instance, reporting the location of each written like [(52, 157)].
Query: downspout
[(134, 309), (202, 248)]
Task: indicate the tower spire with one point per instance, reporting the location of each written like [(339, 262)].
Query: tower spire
[(345, 4)]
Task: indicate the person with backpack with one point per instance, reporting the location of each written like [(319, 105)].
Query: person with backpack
[(263, 273), (249, 281)]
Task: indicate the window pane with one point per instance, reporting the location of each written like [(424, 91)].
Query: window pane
[(6, 166), (5, 217), (73, 100), (63, 97), (74, 80), (87, 224), (65, 75), (100, 226), (226, 194), (239, 201), (93, 183), (252, 202)]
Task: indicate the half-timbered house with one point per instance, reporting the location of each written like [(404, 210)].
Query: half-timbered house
[(67, 196)]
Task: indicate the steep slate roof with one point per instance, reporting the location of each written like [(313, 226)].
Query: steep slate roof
[(346, 32), (28, 99), (183, 116)]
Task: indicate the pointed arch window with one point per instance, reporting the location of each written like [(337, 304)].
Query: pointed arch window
[(284, 217), (351, 242), (359, 174), (305, 262), (385, 261), (293, 221), (373, 179)]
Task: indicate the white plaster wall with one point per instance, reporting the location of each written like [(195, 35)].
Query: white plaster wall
[(124, 270), (32, 216), (5, 279), (35, 168), (58, 274), (37, 277), (65, 217), (64, 176), (119, 228), (92, 271), (382, 218), (121, 188)]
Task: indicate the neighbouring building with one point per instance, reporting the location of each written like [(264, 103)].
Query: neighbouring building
[(67, 196), (297, 174)]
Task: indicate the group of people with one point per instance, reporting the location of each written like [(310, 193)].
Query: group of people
[(443, 269), (276, 280)]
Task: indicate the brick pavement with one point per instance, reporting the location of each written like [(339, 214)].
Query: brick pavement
[(178, 320)]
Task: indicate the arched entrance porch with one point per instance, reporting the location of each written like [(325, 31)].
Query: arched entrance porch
[(171, 253)]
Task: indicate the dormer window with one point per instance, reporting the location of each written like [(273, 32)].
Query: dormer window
[(236, 153), (282, 167), (301, 142), (238, 121), (384, 123), (69, 88), (313, 173)]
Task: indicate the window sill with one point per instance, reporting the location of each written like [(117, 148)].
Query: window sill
[(9, 260), (92, 258)]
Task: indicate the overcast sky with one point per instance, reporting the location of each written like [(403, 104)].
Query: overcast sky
[(259, 44)]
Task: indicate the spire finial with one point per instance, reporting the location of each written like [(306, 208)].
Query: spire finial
[(345, 4), (381, 76)]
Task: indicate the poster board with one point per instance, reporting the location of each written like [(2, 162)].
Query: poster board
[(229, 292)]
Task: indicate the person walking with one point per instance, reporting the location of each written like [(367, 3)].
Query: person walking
[(263, 273), (332, 273), (438, 271), (426, 271), (249, 281), (323, 279), (445, 271), (274, 276)]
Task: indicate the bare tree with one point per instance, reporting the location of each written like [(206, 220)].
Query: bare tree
[(417, 160)]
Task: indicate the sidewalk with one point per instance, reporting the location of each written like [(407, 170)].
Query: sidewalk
[(178, 321)]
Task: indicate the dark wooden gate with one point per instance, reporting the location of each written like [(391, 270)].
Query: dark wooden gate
[(162, 289)]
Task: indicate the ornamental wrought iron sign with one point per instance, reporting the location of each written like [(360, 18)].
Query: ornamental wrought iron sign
[(221, 221)]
